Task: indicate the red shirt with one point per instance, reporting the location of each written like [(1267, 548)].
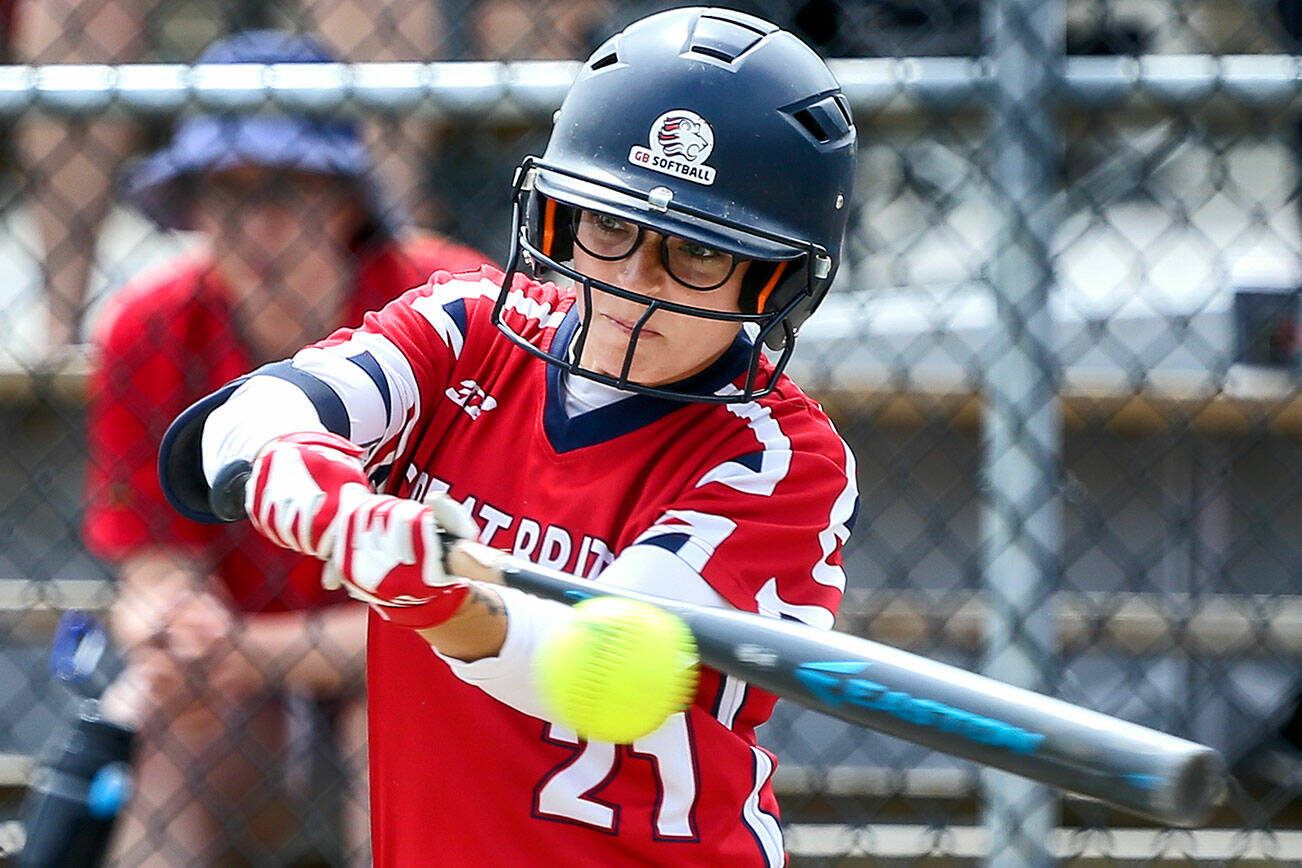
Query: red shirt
[(756, 498), (168, 339)]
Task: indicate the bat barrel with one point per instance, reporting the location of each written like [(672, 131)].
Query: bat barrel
[(1170, 779), (1198, 786), (939, 706)]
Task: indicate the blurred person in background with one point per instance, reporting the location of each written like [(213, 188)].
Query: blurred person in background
[(69, 165), (218, 626)]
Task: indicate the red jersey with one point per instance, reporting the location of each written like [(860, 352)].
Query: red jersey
[(168, 339), (755, 498)]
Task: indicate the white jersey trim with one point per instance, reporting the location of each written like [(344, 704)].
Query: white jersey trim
[(838, 530), (547, 317), (774, 454), (763, 825)]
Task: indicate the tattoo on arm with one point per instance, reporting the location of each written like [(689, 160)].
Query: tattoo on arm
[(490, 601)]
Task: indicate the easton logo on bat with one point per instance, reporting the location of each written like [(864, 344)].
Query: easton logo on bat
[(837, 683)]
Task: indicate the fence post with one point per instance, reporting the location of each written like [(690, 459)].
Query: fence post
[(1021, 421)]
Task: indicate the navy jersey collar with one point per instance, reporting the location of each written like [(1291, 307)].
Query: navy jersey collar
[(636, 411)]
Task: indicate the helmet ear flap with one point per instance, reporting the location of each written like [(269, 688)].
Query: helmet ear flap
[(549, 228), (761, 279), (762, 292)]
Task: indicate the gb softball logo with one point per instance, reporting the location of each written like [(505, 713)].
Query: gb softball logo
[(681, 141)]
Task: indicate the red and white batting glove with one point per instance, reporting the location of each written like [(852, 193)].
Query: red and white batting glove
[(308, 492), (299, 486), (388, 553)]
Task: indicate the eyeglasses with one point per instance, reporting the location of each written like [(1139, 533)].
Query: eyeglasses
[(692, 264)]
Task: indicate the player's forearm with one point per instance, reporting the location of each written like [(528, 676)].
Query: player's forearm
[(316, 650), (476, 631), (260, 410), (493, 640)]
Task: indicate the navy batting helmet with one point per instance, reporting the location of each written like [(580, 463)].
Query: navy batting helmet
[(710, 125)]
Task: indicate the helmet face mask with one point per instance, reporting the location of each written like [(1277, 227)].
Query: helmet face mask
[(543, 245), (709, 126)]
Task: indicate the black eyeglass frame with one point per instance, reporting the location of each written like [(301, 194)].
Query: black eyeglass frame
[(576, 215)]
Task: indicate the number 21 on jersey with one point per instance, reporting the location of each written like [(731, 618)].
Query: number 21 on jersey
[(571, 791)]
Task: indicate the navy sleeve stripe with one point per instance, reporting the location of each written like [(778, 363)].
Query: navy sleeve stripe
[(367, 363), (457, 310), (670, 542), (329, 406)]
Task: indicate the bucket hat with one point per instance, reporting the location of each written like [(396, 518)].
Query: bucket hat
[(159, 184)]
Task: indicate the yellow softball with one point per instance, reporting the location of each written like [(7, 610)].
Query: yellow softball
[(618, 669)]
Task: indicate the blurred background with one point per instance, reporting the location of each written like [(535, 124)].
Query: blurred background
[(1064, 345)]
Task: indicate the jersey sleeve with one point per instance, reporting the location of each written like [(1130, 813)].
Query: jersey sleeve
[(763, 528), (371, 384)]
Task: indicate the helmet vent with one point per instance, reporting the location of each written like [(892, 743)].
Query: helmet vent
[(825, 121), (603, 62), (723, 39)]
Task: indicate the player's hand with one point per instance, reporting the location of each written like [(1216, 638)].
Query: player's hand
[(299, 486), (388, 553)]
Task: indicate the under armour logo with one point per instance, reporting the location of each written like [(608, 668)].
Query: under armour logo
[(469, 396)]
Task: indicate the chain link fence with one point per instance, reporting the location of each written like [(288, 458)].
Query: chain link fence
[(1064, 346)]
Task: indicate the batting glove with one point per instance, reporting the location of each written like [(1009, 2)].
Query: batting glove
[(389, 554), (299, 487), (308, 492)]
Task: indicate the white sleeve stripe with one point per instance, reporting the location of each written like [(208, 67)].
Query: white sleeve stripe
[(771, 604), (464, 289), (763, 825), (654, 570), (774, 457), (690, 534), (434, 309), (372, 421)]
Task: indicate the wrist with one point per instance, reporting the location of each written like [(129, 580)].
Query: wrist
[(389, 555), (429, 614)]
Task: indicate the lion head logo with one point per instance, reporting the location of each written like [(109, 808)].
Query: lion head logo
[(682, 135)]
